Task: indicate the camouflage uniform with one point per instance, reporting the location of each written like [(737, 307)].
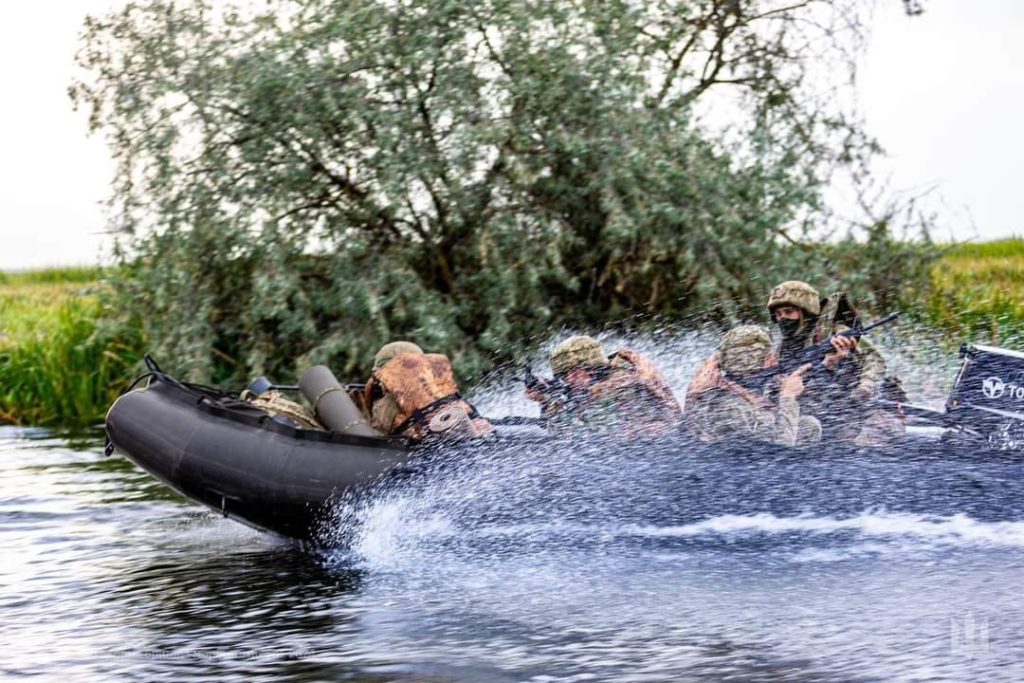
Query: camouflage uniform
[(382, 412), (719, 409), (629, 396), (843, 404), (414, 395)]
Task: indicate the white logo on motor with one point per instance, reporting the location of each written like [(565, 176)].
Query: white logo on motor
[(993, 387)]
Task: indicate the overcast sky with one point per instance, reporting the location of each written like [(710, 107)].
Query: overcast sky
[(943, 93)]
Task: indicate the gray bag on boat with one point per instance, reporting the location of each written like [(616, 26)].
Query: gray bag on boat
[(331, 403)]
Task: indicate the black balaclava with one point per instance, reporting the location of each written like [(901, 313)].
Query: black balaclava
[(795, 333)]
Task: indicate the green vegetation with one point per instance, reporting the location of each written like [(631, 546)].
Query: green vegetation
[(68, 275), (306, 180), (58, 363), (302, 181), (1009, 248), (61, 362), (977, 292)]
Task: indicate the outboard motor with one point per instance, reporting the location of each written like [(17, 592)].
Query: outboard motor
[(988, 394), (331, 403)]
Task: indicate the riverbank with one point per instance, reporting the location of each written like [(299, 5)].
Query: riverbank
[(977, 293), (61, 364), (58, 366)]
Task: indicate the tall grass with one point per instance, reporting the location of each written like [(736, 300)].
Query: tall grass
[(977, 292), (52, 276), (58, 365), (1005, 248)]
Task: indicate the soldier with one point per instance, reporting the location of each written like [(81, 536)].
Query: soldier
[(719, 407), (623, 393), (843, 405), (414, 394)]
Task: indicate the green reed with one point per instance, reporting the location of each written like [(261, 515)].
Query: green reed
[(58, 363), (53, 276), (977, 293)]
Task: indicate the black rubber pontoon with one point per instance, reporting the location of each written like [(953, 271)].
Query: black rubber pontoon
[(236, 459)]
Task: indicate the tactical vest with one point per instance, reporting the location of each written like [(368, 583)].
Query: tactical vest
[(424, 389), (709, 379), (643, 374), (633, 378)]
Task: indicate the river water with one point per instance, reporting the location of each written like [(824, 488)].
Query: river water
[(570, 563)]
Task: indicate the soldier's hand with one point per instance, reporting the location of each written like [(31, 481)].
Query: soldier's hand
[(792, 385), (841, 348)]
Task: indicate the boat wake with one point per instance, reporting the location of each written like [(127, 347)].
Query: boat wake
[(953, 530), (389, 539), (604, 503)]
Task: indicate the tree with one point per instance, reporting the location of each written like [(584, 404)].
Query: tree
[(310, 180)]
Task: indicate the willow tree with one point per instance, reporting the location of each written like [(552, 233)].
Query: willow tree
[(313, 178)]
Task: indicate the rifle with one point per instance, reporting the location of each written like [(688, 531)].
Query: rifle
[(552, 389), (920, 414), (814, 355)]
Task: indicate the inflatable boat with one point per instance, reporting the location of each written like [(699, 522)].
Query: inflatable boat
[(238, 460), (249, 465)]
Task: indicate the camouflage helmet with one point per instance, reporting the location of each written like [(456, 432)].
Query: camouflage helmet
[(744, 349), (575, 352), (393, 350), (795, 293)]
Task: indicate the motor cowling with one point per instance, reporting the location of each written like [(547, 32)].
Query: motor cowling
[(988, 393)]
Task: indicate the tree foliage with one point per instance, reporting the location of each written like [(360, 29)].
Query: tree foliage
[(305, 182)]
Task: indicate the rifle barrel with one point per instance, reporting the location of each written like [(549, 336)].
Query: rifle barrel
[(878, 323)]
